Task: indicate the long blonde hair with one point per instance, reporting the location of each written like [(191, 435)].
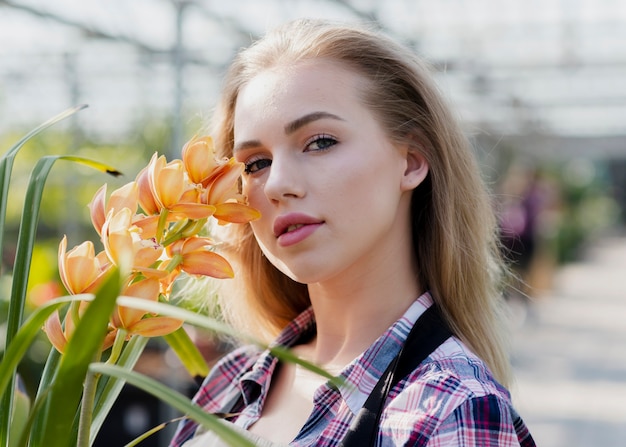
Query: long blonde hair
[(454, 226)]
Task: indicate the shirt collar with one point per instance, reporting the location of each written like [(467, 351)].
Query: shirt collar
[(360, 376), (254, 382), (363, 373)]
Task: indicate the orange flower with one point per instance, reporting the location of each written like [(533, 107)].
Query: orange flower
[(235, 212), (122, 243), (59, 335), (146, 199), (167, 181), (199, 158), (80, 269), (171, 191), (139, 322), (193, 256), (222, 191), (223, 184), (116, 237), (147, 252), (125, 197)]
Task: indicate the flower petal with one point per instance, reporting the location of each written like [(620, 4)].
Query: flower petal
[(148, 225), (185, 246), (78, 268), (156, 326), (96, 208), (116, 237), (147, 289), (167, 181), (192, 210), (147, 202), (147, 252), (109, 338), (207, 263), (234, 212), (54, 331), (199, 158), (225, 184), (125, 197)]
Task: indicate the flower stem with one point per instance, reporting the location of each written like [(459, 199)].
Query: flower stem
[(86, 407), (74, 312), (161, 224), (118, 344), (174, 262)]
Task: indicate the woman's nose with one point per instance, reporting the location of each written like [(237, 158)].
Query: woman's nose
[(284, 179)]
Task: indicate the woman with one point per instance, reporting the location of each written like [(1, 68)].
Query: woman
[(373, 210)]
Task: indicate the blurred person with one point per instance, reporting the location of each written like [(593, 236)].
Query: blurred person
[(527, 202), (376, 256)]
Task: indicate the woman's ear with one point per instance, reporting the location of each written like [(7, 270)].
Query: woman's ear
[(416, 169)]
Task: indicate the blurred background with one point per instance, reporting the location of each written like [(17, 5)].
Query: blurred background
[(539, 85)]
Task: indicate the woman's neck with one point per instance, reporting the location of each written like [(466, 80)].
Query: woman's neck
[(351, 313)]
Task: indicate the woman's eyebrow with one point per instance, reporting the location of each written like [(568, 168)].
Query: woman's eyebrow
[(290, 128), (296, 124), (246, 145)]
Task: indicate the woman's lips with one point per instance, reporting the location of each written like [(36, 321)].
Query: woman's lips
[(292, 228)]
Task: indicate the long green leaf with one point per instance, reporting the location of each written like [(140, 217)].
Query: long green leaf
[(109, 388), (177, 401), (65, 393), (209, 323), (55, 119), (25, 243), (47, 376), (15, 353), (19, 418), (24, 338), (6, 163), (21, 439), (187, 352), (28, 231)]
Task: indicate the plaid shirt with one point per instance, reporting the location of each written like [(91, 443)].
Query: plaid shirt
[(451, 399)]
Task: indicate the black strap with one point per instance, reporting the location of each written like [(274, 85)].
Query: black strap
[(429, 331)]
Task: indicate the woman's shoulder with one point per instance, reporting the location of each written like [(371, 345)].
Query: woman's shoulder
[(453, 392), (450, 376), (456, 364)]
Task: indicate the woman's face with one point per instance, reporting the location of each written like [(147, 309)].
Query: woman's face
[(331, 187)]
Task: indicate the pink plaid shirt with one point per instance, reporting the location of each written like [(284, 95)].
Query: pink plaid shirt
[(451, 399)]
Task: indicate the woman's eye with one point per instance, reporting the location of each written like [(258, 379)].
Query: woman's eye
[(321, 142), (256, 165)]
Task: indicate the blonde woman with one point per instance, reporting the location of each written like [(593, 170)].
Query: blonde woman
[(375, 221)]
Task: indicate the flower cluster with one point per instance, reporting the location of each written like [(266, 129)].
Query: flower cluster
[(154, 224)]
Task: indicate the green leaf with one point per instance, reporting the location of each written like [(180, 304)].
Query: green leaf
[(6, 162), (98, 166), (24, 338), (109, 388), (187, 352), (25, 243), (47, 376), (209, 323), (177, 401), (19, 418), (28, 232), (55, 119), (66, 390)]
